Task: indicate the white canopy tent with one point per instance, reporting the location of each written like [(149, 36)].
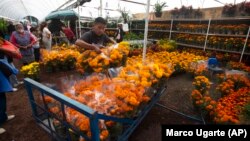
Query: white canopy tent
[(17, 9), (111, 7)]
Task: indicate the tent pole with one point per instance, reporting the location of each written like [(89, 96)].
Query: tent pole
[(242, 53), (76, 30), (145, 33), (100, 8), (79, 23), (208, 27)]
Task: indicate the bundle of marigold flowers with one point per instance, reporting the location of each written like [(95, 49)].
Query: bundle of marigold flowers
[(32, 70), (201, 83), (60, 59), (114, 56)]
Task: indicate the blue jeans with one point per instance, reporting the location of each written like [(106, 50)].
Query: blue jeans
[(3, 115)]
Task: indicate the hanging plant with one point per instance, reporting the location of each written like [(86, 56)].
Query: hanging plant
[(124, 15), (158, 8)]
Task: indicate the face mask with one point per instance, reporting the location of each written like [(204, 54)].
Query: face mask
[(20, 30)]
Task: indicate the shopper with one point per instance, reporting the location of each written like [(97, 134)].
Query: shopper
[(72, 25), (5, 85), (46, 35), (69, 34), (119, 34), (28, 25), (213, 65), (36, 46), (95, 38), (24, 41), (212, 61), (10, 28), (13, 78)]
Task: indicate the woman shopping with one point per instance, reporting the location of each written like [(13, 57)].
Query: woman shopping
[(24, 41), (46, 35)]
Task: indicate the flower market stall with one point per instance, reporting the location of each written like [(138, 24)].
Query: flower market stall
[(102, 106), (221, 35), (107, 101), (127, 98), (159, 74)]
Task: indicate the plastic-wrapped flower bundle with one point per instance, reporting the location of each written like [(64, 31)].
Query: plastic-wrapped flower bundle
[(116, 97), (114, 56)]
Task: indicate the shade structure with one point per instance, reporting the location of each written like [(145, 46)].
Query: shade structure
[(62, 15)]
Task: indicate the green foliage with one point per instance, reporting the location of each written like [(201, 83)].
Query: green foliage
[(133, 36), (172, 43), (3, 26), (125, 15), (136, 46), (159, 6), (246, 111), (168, 45), (112, 25)]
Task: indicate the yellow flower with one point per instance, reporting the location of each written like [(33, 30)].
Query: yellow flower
[(106, 62), (133, 101), (159, 74)]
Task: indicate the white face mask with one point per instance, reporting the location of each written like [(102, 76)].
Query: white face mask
[(20, 30)]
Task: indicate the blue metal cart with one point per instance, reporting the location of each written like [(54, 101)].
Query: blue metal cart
[(43, 116)]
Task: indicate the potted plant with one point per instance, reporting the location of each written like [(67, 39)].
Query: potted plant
[(229, 10), (175, 12), (158, 8), (124, 15), (247, 7)]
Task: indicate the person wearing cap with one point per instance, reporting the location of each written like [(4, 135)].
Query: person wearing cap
[(96, 37)]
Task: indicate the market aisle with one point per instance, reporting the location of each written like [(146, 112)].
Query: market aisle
[(177, 97), (24, 127)]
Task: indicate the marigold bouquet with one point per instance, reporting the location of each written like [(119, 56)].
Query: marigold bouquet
[(59, 59), (114, 56), (201, 83), (32, 70)]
